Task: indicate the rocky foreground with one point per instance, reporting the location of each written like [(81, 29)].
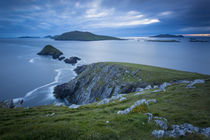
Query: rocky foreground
[(118, 101)]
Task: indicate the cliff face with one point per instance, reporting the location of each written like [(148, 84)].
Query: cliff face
[(102, 80), (99, 81)]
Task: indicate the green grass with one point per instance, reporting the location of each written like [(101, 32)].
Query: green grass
[(178, 104), (156, 75)]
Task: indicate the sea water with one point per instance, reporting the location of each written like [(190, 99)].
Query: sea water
[(25, 75)]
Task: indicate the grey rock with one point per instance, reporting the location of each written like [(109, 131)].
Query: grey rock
[(161, 124), (158, 133), (182, 130), (205, 131), (155, 86), (126, 111), (138, 93), (151, 101), (197, 81), (149, 116), (164, 85), (139, 89), (74, 106), (50, 115), (104, 101), (137, 103), (123, 98), (148, 87)]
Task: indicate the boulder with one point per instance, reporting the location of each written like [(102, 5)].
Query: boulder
[(158, 133)]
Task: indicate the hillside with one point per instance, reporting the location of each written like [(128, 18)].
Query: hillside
[(181, 100), (83, 36)]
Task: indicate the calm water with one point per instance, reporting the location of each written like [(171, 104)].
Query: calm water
[(25, 75)]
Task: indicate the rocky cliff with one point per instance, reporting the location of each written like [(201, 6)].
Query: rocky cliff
[(103, 80)]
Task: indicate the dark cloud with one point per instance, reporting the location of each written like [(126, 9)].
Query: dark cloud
[(114, 17)]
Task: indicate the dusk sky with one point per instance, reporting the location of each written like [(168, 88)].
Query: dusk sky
[(108, 17)]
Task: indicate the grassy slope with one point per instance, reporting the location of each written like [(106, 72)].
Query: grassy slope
[(177, 104)]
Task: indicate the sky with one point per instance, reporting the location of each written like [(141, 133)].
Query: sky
[(121, 18)]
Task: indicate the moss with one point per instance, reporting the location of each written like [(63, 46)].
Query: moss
[(141, 108)]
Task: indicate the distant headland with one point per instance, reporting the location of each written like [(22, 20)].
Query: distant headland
[(83, 36)]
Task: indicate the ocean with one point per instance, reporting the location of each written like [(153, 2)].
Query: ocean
[(25, 75)]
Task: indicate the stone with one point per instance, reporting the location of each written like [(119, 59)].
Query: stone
[(155, 86), (138, 93), (164, 85), (50, 115), (158, 133), (139, 89), (205, 131), (197, 81), (161, 124), (104, 101), (126, 111), (149, 116), (74, 106), (151, 101), (123, 98), (148, 87)]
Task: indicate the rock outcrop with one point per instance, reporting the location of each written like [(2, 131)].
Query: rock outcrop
[(51, 51), (72, 60), (98, 81)]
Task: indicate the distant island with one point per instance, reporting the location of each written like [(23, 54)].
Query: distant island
[(48, 36), (163, 40), (29, 37), (83, 36), (197, 40), (167, 35)]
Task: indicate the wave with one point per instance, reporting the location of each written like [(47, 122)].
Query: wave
[(31, 60), (54, 82), (50, 86)]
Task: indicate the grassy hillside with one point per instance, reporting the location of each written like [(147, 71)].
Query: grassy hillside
[(83, 36), (178, 104)]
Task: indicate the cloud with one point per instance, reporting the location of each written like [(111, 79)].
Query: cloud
[(110, 18), (165, 13)]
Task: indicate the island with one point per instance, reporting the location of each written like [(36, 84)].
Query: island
[(83, 36), (197, 40), (48, 36), (29, 37), (162, 40), (49, 50), (167, 35)]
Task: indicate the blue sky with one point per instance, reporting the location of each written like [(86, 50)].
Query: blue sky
[(109, 17)]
